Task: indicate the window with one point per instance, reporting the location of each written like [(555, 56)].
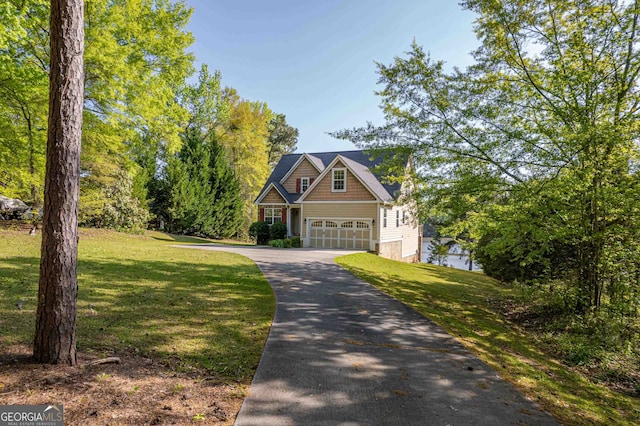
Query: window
[(304, 184), (384, 218), (272, 215), (339, 180), (404, 217), (397, 218)]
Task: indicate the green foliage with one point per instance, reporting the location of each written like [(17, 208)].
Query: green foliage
[(533, 150), (135, 290), (518, 339), (278, 231), (198, 193), (259, 231), (135, 61), (296, 242), (282, 139), (244, 136), (439, 252), (279, 243), (123, 211)]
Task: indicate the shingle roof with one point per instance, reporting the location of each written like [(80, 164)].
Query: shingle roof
[(358, 161)]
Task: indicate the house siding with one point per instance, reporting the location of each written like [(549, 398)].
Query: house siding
[(273, 197), (355, 190), (399, 242), (341, 210), (304, 169)]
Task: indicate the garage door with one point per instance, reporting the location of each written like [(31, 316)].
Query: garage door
[(347, 234)]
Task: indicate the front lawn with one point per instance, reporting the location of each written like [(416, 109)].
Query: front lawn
[(464, 303), (198, 319)]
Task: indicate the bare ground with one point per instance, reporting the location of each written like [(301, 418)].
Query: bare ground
[(138, 391)]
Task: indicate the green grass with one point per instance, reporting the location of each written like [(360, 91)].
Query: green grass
[(194, 309), (462, 303)]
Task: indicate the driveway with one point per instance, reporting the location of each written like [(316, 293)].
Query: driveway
[(341, 352)]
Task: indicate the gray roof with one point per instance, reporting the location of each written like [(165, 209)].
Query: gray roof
[(359, 162)]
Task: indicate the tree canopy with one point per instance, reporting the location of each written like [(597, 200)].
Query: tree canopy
[(538, 140), (140, 107)]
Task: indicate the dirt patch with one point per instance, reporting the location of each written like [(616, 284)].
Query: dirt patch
[(139, 391)]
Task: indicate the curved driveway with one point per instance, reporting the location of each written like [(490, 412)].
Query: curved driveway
[(341, 352)]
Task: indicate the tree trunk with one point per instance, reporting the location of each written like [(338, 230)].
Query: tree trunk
[(55, 339)]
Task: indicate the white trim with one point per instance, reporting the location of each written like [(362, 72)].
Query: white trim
[(344, 179), (410, 254), (342, 235), (288, 222), (308, 184), (266, 191), (297, 163), (361, 219), (390, 241), (324, 173), (341, 202), (271, 204), (273, 216)]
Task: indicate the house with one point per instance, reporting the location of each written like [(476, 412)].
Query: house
[(335, 200)]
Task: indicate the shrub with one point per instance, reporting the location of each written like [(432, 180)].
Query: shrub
[(287, 243), (278, 231), (296, 242), (260, 232), (277, 243)]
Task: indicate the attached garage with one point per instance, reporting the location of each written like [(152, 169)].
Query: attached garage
[(340, 233)]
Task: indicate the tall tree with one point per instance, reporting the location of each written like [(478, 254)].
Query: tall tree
[(244, 136), (545, 122), (136, 62), (198, 192), (23, 98), (55, 339), (282, 139)]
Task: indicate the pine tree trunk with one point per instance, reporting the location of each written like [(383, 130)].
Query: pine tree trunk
[(55, 339)]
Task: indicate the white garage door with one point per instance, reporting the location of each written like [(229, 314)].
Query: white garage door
[(347, 234)]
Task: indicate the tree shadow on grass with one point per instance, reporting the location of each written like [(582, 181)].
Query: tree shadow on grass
[(457, 300), (214, 316), (181, 238)]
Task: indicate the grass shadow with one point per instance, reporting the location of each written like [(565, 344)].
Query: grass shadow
[(192, 308), (461, 302)]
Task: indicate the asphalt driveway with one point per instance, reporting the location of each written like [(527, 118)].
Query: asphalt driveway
[(341, 352)]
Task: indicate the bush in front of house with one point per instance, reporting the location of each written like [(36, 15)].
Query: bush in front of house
[(296, 242), (278, 231), (260, 232), (282, 243), (277, 243)]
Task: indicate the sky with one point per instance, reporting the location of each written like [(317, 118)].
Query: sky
[(314, 61)]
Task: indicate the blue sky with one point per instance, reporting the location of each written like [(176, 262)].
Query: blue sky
[(314, 61)]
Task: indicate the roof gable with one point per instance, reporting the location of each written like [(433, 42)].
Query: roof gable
[(311, 159), (357, 170), (272, 194), (359, 162)]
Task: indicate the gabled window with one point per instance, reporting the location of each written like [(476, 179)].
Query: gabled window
[(339, 180), (272, 215), (304, 184)]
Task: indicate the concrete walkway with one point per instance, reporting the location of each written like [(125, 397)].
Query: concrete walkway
[(342, 353)]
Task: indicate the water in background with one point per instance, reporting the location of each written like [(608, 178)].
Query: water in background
[(457, 257)]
